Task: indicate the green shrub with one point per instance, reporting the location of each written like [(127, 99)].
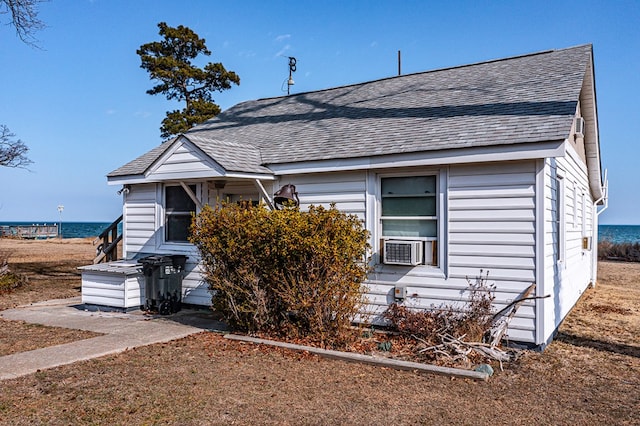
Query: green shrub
[(284, 271)]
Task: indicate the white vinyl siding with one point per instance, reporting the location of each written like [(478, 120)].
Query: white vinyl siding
[(347, 190), (139, 220), (489, 217), (194, 290), (565, 281), (115, 286), (185, 161), (491, 226), (143, 236)]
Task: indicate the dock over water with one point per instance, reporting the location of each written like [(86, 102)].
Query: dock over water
[(29, 232)]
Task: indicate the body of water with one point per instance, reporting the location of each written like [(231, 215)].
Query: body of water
[(71, 229), (619, 233), (613, 233)]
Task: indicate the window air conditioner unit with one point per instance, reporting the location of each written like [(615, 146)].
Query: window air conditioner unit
[(580, 127), (403, 252)]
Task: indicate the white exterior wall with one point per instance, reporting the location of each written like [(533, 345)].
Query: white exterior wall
[(490, 217), (194, 290), (117, 290), (346, 189), (143, 235), (489, 225), (568, 268), (143, 216), (139, 220)]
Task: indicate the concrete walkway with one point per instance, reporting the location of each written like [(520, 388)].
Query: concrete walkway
[(121, 331)]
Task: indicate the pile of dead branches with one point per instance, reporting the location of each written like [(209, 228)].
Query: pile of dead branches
[(457, 351), (461, 336)]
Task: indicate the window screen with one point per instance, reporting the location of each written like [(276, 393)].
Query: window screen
[(409, 206)]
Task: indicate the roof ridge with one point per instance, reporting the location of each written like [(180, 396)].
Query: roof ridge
[(490, 61)]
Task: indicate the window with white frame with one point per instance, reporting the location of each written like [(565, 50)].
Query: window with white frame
[(409, 211), (179, 210)]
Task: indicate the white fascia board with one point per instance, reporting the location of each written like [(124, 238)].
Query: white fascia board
[(428, 158), (136, 179), (251, 176), (592, 147), (126, 180)]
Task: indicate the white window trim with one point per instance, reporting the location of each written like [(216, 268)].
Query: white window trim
[(438, 270), (161, 243), (583, 205), (561, 218), (575, 206)]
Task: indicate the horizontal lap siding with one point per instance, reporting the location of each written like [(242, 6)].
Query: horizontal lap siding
[(497, 204), (195, 290), (184, 159), (115, 290), (140, 237), (346, 190), (565, 281), (140, 220), (491, 227)]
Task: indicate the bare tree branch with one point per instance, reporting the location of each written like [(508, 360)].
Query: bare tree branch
[(24, 17), (13, 153)]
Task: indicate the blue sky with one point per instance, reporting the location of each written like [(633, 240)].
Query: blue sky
[(80, 101)]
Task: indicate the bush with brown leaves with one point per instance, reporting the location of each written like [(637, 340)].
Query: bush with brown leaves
[(284, 271), (629, 252), (472, 321)]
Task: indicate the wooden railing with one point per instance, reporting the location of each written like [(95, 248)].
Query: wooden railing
[(107, 250)]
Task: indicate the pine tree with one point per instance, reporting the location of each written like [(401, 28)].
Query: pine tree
[(170, 62)]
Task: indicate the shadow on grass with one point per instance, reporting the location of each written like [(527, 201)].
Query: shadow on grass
[(49, 269), (600, 345)]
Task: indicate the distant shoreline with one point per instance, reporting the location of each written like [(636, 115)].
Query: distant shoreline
[(69, 229)]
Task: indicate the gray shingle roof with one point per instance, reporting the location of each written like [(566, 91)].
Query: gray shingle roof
[(142, 163), (233, 156), (530, 98)]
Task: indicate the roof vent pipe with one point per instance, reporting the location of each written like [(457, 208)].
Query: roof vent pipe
[(399, 64)]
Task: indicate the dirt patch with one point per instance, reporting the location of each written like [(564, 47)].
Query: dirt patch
[(49, 266), (606, 309), (589, 375), (17, 336)]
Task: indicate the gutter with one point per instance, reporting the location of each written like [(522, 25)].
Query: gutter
[(605, 196)]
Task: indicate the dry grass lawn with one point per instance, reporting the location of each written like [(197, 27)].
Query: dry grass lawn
[(589, 375)]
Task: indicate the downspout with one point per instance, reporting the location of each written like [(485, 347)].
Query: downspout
[(605, 199), (605, 196)]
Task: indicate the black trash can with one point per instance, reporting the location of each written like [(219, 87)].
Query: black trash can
[(163, 282)]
